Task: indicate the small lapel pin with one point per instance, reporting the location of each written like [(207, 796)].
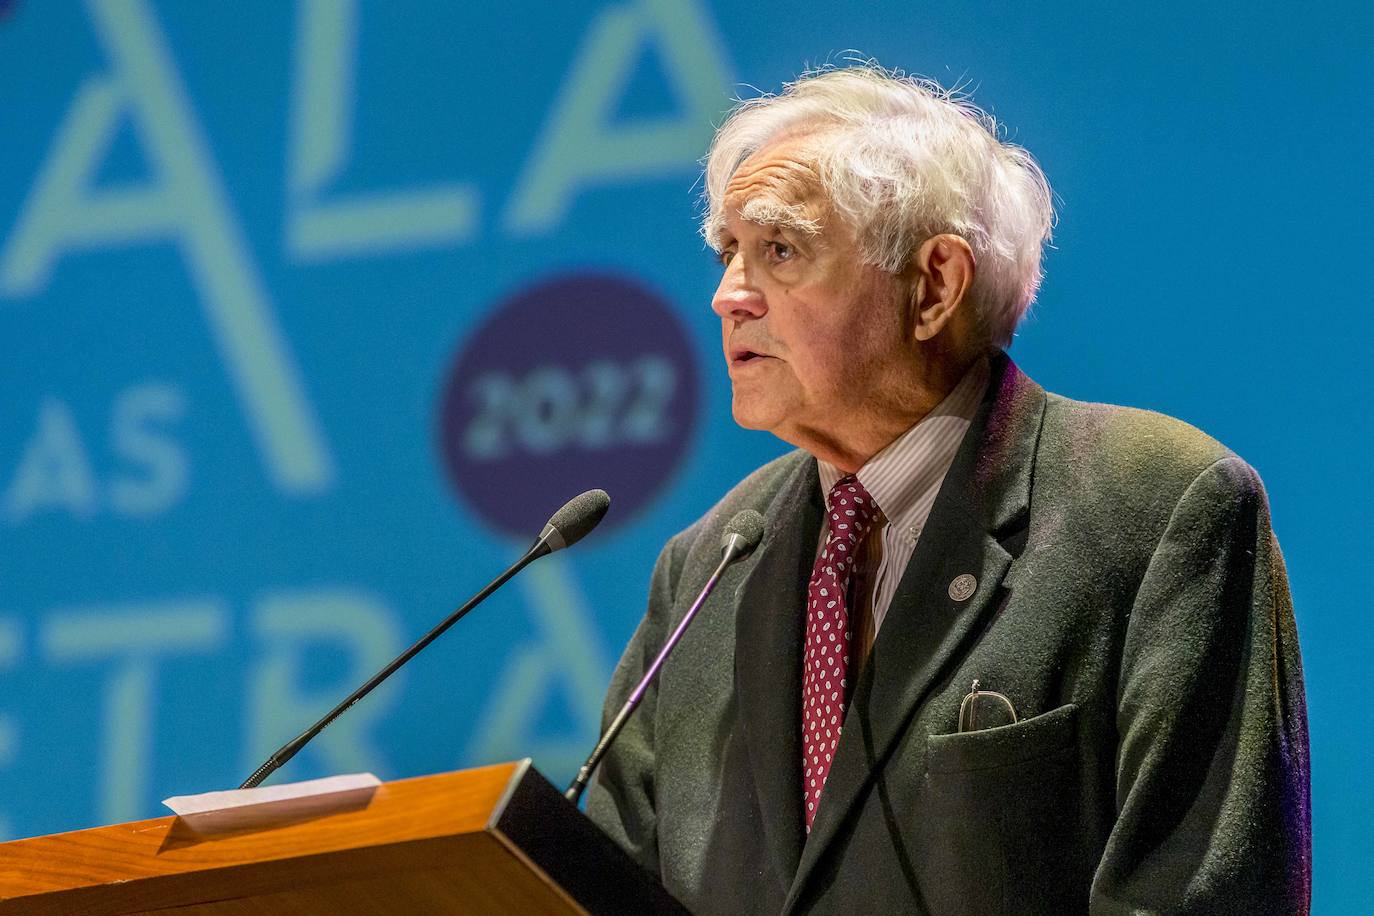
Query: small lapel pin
[(963, 587)]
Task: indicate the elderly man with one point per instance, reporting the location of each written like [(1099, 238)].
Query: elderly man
[(1000, 651)]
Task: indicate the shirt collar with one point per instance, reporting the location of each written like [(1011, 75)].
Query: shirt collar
[(905, 476)]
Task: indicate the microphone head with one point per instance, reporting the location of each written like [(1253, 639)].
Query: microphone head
[(576, 519), (743, 533)]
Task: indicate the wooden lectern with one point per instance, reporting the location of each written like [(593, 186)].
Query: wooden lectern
[(498, 839)]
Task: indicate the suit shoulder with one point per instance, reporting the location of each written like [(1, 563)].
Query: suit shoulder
[(1110, 481), (1128, 443), (1126, 467), (756, 491)]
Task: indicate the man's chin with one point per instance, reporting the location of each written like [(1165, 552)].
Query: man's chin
[(751, 415)]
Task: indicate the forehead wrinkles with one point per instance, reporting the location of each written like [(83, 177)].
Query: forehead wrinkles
[(784, 193)]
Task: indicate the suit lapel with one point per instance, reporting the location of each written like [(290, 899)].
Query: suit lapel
[(930, 626), (770, 628)]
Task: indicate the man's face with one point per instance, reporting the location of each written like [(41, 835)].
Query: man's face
[(812, 335)]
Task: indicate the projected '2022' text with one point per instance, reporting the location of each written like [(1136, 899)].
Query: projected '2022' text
[(603, 405)]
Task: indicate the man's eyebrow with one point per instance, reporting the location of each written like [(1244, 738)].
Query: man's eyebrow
[(768, 211), (763, 211)]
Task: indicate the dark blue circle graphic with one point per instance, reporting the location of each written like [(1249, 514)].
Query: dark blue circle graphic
[(582, 380)]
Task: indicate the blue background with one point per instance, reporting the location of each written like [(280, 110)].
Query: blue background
[(185, 582)]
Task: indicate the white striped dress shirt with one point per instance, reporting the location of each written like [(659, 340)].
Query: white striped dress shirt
[(903, 480)]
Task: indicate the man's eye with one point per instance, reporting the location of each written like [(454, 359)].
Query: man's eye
[(726, 255), (781, 251)]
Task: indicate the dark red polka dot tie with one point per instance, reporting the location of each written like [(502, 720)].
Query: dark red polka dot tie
[(826, 660)]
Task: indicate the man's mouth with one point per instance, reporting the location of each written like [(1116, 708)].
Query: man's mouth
[(742, 356)]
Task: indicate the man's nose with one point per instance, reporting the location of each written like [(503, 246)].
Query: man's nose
[(737, 297)]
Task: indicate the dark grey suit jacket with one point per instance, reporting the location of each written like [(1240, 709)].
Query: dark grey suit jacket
[(1131, 602)]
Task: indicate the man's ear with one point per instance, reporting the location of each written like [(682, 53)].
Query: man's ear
[(940, 275)]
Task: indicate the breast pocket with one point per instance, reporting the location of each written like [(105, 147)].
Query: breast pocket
[(1006, 805), (1007, 745)]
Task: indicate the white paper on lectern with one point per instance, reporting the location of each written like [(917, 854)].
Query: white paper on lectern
[(184, 805)]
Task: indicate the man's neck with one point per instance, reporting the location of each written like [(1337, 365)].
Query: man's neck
[(854, 440)]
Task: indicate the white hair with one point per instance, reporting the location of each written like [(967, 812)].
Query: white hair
[(902, 159)]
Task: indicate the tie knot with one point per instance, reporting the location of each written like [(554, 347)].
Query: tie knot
[(852, 510)]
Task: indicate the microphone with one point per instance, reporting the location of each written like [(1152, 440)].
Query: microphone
[(567, 526), (741, 536), (573, 522)]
